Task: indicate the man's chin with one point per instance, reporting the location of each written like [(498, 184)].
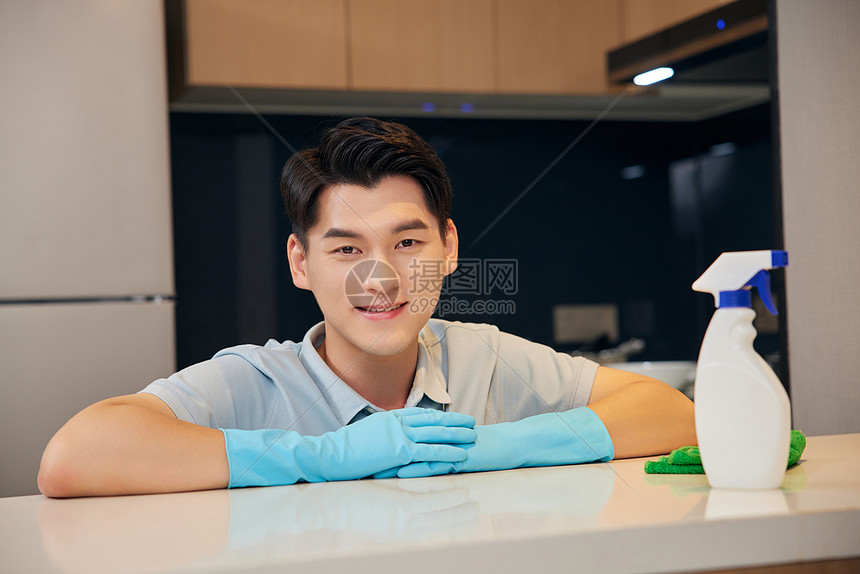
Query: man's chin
[(382, 338), (385, 346), (393, 339)]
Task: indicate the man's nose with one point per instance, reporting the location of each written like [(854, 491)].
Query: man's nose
[(382, 279)]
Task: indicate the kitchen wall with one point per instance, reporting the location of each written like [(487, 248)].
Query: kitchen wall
[(583, 234), (819, 119)]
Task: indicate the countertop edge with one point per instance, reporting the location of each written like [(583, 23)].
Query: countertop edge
[(748, 542)]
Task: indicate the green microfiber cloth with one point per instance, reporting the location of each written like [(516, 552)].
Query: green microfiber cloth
[(686, 460)]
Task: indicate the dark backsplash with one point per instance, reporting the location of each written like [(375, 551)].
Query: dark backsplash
[(582, 234)]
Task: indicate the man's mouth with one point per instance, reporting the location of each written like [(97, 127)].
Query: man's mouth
[(381, 309)]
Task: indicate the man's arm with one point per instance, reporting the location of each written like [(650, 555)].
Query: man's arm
[(132, 444), (135, 445), (644, 416)]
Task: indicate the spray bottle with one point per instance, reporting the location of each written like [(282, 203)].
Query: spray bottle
[(743, 416)]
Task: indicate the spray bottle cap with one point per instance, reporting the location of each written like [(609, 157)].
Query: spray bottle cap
[(730, 278)]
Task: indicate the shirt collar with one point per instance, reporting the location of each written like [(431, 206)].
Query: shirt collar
[(341, 398), (428, 379)]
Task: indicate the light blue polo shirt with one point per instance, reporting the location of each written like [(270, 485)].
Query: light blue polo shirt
[(464, 367)]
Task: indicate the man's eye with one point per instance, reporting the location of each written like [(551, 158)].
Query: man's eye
[(408, 242), (346, 250)]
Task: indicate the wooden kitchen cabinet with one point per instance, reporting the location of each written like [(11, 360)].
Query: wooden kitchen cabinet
[(265, 43), (422, 45), (334, 47), (555, 46)]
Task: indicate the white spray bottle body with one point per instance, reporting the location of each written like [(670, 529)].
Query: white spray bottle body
[(743, 414)]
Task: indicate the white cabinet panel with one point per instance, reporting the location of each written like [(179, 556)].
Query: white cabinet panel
[(85, 185), (57, 359)]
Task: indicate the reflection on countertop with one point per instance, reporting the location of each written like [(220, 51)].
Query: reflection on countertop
[(308, 520)]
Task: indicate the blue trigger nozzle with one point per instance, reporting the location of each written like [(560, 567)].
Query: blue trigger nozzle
[(761, 281), (779, 258)]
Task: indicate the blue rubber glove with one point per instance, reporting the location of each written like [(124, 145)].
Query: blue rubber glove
[(550, 439), (380, 442)]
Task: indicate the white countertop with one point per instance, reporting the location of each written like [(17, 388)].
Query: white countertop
[(591, 518)]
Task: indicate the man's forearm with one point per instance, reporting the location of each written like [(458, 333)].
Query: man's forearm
[(646, 418), (131, 445)]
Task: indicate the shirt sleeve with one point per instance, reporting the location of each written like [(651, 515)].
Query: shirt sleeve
[(531, 379), (224, 392)]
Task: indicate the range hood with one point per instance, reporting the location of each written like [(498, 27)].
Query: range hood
[(726, 46)]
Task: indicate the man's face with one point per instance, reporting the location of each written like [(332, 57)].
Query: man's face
[(375, 263)]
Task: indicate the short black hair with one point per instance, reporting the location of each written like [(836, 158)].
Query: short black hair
[(362, 151)]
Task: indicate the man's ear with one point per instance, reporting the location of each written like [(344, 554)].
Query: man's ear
[(298, 261), (452, 246)]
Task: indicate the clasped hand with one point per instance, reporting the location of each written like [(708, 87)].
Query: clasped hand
[(569, 437), (377, 445)]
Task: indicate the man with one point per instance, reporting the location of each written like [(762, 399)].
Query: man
[(378, 388)]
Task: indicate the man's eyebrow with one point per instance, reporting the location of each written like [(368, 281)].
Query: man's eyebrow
[(409, 226), (338, 232), (399, 228)]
